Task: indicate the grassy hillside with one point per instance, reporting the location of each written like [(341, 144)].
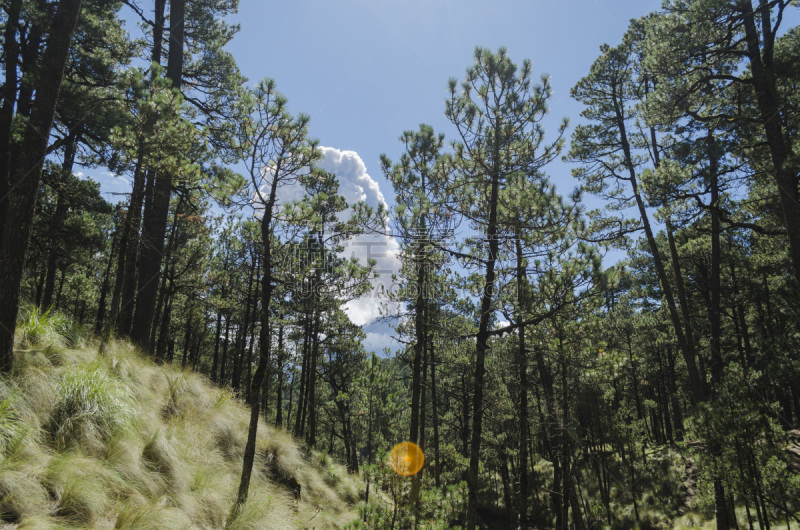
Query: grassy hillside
[(97, 436)]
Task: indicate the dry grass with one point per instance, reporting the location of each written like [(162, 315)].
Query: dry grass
[(98, 436)]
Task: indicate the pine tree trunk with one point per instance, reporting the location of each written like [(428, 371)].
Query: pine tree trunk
[(162, 290), (482, 346), (164, 334), (249, 360), (695, 383), (101, 305), (522, 367), (416, 365), (187, 341), (715, 341), (254, 399), (215, 360), (434, 419), (311, 386), (223, 380), (299, 426), (241, 338), (11, 55), (25, 183), (683, 299), (132, 225), (279, 396), (155, 223)]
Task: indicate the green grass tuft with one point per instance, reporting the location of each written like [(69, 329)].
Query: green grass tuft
[(162, 459), (83, 487), (154, 515), (39, 329), (90, 407), (265, 509), (13, 430), (20, 496)]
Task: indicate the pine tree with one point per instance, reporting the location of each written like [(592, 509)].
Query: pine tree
[(497, 113), (21, 179)]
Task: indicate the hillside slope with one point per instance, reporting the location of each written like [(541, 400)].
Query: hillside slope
[(98, 436)]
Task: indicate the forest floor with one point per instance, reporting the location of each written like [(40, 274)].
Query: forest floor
[(100, 437), (691, 486)]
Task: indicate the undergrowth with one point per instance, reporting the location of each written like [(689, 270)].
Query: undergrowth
[(98, 436)]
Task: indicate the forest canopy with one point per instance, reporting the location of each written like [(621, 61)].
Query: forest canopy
[(623, 355)]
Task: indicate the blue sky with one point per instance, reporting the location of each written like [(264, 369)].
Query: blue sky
[(368, 70)]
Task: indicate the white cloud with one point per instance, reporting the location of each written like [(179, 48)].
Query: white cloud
[(355, 185), (379, 336), (376, 342)]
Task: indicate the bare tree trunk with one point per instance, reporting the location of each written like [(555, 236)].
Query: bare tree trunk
[(25, 183), (279, 397), (434, 419), (101, 305), (482, 346), (715, 341), (254, 399), (311, 383), (222, 379), (522, 367), (132, 226), (155, 223), (299, 426)]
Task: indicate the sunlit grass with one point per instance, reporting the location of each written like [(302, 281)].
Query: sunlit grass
[(98, 436)]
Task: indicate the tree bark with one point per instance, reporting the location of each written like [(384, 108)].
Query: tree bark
[(279, 396), (482, 346), (311, 383), (695, 383), (101, 305), (254, 399), (419, 348), (434, 419), (132, 226), (299, 426), (715, 342), (215, 360), (22, 197), (522, 367), (11, 54), (155, 222)]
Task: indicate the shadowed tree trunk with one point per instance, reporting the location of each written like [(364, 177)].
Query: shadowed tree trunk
[(155, 222), (21, 200), (58, 221), (11, 54), (132, 237), (522, 367), (760, 49), (254, 399), (482, 345), (101, 305)]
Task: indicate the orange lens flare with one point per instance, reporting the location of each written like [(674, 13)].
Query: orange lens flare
[(406, 459)]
